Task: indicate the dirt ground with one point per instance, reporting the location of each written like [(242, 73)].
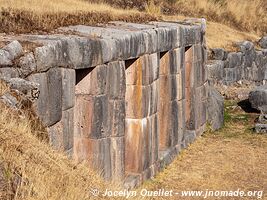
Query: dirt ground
[(227, 160)]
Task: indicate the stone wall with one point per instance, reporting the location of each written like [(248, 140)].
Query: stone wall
[(247, 65), (124, 97)]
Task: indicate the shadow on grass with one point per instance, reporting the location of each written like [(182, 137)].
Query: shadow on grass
[(246, 106)]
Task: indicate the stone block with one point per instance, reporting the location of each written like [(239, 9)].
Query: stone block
[(150, 68), (46, 57), (48, 106), (234, 60), (215, 70), (137, 101), (138, 145), (215, 109), (96, 152), (154, 127), (197, 53), (116, 118), (92, 81), (14, 49), (27, 64), (117, 151), (91, 117), (154, 98), (61, 134), (258, 98), (116, 80), (68, 88), (5, 59), (134, 72), (230, 74), (218, 54), (8, 72)]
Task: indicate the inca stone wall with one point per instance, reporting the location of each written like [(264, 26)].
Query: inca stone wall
[(249, 64), (124, 97)]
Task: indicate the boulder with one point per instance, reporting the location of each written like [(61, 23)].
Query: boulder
[(258, 98), (215, 109), (263, 42)]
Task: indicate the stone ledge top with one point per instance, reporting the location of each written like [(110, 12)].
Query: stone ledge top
[(86, 46)]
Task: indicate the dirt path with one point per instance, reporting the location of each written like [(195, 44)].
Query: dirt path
[(230, 159)]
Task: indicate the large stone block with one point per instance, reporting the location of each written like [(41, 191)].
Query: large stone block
[(215, 70), (61, 134), (234, 60), (138, 101), (116, 80), (96, 152), (141, 143), (92, 81), (215, 109), (48, 106), (68, 88), (116, 119), (117, 151), (150, 68), (91, 116)]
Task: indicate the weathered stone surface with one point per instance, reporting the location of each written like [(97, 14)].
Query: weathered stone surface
[(215, 109), (5, 59), (68, 88), (263, 42), (117, 157), (92, 81), (116, 117), (61, 134), (91, 116), (9, 100), (218, 54), (96, 152), (27, 64), (116, 80), (258, 98), (8, 72), (49, 104), (261, 128), (21, 85), (14, 49), (233, 60), (215, 70)]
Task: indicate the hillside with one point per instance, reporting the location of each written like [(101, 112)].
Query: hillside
[(228, 21)]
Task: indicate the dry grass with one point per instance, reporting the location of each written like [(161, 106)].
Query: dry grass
[(229, 159), (37, 16), (31, 170), (245, 15)]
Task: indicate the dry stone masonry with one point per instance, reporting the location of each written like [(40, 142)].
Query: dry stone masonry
[(125, 97), (249, 64)]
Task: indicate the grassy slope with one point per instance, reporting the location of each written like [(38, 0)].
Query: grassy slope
[(228, 159), (40, 172)]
